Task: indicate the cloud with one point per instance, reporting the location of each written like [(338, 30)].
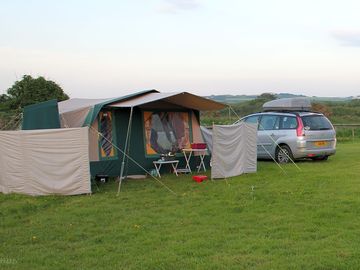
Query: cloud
[(176, 6), (347, 37)]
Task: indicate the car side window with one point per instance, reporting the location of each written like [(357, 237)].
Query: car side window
[(252, 119), (288, 122), (269, 122)]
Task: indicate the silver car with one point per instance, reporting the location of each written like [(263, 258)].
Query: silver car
[(293, 135)]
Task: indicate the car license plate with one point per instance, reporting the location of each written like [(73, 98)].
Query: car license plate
[(320, 144)]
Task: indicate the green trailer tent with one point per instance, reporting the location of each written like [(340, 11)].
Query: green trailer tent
[(144, 125)]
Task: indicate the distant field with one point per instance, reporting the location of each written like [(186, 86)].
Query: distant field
[(241, 98), (306, 219)]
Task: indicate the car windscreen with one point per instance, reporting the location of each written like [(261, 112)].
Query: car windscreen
[(316, 122)]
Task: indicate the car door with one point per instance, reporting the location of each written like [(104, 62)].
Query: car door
[(268, 133), (319, 132)]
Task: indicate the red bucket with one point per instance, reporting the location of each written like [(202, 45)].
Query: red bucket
[(199, 178)]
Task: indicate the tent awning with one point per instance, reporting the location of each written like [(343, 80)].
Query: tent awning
[(86, 110), (183, 99)]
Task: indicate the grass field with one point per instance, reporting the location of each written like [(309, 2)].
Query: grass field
[(308, 219)]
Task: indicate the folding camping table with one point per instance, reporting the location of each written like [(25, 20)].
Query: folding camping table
[(158, 163), (188, 153)]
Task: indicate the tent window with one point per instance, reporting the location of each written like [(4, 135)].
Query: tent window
[(166, 132), (106, 141)]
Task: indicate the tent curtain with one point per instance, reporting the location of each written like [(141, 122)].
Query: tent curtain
[(42, 162), (234, 150)]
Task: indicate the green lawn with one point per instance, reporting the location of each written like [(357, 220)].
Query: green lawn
[(308, 219)]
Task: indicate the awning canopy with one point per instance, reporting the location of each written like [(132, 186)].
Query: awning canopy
[(180, 99), (82, 112)]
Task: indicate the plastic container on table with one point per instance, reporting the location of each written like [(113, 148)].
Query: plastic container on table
[(198, 145)]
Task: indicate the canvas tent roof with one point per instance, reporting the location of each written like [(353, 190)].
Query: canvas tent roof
[(182, 99), (84, 111), (94, 106), (75, 104), (79, 112)]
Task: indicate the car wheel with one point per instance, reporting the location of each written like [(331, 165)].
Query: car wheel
[(283, 154)]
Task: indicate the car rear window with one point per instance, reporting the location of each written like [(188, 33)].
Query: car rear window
[(316, 122)]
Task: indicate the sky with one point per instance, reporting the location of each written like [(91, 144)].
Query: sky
[(109, 48)]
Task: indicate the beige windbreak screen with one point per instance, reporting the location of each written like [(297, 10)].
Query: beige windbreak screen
[(47, 161), (234, 150)]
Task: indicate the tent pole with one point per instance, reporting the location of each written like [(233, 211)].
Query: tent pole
[(126, 146), (126, 167)]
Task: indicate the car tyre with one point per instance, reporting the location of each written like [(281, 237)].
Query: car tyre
[(283, 154)]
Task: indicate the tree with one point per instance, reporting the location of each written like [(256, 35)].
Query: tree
[(266, 97), (29, 91), (3, 98), (25, 92), (4, 106)]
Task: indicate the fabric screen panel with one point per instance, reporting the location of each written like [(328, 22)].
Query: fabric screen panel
[(42, 115), (12, 176), (207, 134), (234, 150), (43, 162), (94, 141)]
